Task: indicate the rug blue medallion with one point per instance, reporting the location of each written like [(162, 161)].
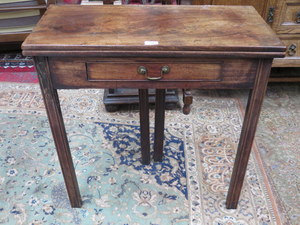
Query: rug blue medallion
[(116, 188)]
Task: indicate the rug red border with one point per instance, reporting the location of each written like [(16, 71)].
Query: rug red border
[(18, 74), (17, 69)]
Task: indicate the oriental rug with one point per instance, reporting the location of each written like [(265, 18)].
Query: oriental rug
[(188, 187), (15, 67), (278, 141)]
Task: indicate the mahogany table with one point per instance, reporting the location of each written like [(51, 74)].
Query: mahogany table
[(160, 47)]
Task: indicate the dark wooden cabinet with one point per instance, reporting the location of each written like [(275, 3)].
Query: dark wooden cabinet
[(283, 16), (286, 24)]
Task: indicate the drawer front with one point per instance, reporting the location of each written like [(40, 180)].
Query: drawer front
[(152, 73), (292, 55), (143, 71), (288, 21)]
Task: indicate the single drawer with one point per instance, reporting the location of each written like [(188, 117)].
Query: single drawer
[(152, 73), (141, 71)]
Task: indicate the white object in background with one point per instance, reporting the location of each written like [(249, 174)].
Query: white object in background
[(151, 42), (118, 2), (87, 2)]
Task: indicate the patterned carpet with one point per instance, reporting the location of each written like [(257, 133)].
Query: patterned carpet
[(15, 67), (188, 187), (277, 146), (278, 141)]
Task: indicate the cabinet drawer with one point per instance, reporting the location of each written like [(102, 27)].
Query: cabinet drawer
[(141, 71), (288, 21), (181, 73)]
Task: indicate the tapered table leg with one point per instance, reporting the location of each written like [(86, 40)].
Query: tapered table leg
[(159, 124), (254, 104), (144, 124), (52, 105)]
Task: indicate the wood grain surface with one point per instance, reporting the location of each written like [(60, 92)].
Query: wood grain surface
[(151, 28)]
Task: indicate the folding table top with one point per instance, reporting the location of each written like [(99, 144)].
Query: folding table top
[(152, 28)]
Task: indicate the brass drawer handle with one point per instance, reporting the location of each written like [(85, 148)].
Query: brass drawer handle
[(143, 71), (298, 17), (291, 50), (153, 78), (165, 70)]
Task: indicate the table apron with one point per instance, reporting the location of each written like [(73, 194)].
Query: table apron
[(124, 73)]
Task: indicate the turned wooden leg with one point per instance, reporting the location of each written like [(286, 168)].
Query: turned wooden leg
[(52, 105), (254, 104), (144, 123), (187, 101), (159, 124)]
